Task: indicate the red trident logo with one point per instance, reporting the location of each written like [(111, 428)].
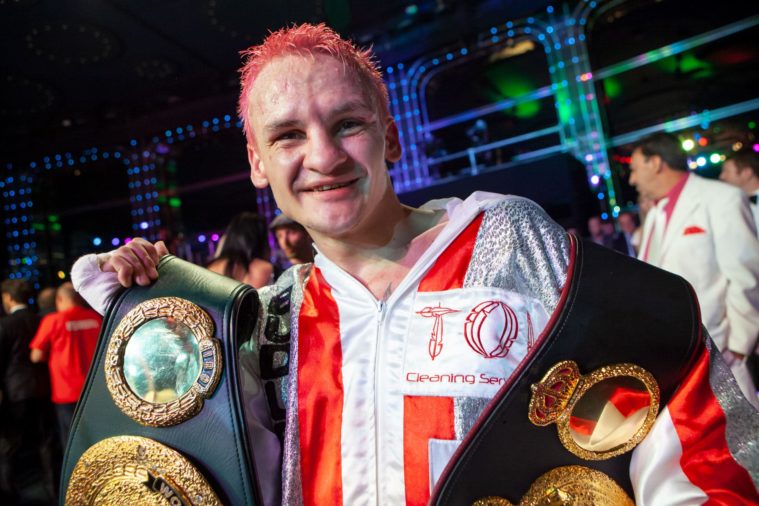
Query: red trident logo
[(436, 337)]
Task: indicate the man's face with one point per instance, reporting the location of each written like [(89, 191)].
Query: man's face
[(644, 173), (594, 226), (321, 144), (733, 175), (626, 223), (294, 243)]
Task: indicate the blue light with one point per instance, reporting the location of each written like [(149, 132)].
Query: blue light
[(549, 9), (549, 29), (144, 225), (493, 30), (449, 56), (201, 238), (601, 196), (463, 51), (400, 66), (435, 61), (495, 39), (389, 70), (133, 142), (97, 241), (115, 241), (604, 216), (227, 117)]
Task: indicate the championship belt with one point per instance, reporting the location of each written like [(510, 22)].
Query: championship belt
[(619, 344), (160, 420)]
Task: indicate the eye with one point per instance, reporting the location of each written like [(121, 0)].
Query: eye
[(350, 125), (286, 136)]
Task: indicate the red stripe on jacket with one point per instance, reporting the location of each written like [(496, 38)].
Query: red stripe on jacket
[(426, 418), (320, 394), (700, 424)]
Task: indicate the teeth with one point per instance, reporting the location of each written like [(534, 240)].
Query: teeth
[(329, 187)]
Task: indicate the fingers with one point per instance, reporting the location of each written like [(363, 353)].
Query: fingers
[(161, 249), (135, 262)]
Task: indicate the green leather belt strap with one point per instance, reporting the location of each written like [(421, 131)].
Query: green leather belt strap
[(215, 439)]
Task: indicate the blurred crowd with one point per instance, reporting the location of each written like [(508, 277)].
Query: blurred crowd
[(48, 341)]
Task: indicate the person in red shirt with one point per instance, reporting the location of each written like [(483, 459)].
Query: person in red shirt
[(67, 340)]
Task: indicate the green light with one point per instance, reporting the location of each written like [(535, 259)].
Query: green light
[(55, 227), (53, 218), (509, 84), (714, 158), (39, 227), (612, 87), (688, 144), (412, 9), (752, 124), (686, 64), (175, 202)]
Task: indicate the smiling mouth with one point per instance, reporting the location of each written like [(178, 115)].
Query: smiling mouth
[(328, 187)]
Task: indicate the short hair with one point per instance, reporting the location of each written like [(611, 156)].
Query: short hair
[(746, 158), (308, 39), (46, 299), (66, 291), (19, 289), (666, 146)]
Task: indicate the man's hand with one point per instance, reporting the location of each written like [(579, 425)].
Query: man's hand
[(134, 262)]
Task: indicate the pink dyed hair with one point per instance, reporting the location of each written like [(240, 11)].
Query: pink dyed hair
[(307, 39)]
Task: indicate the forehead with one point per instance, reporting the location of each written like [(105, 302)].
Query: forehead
[(289, 80)]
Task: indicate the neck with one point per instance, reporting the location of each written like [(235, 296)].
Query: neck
[(65, 305), (751, 187), (13, 306), (383, 257), (669, 180)]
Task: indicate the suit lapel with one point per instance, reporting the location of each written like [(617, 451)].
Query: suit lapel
[(682, 213)]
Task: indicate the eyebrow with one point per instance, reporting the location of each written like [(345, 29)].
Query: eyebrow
[(345, 107)]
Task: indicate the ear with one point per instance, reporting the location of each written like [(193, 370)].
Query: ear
[(657, 163), (393, 150), (257, 171)]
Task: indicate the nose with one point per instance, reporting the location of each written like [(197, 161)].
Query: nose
[(323, 153)]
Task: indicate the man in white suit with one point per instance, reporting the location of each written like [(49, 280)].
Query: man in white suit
[(703, 230), (742, 170)]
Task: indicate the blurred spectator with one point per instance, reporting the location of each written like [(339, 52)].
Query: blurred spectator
[(66, 340), (243, 251), (27, 445), (293, 241), (703, 230), (46, 301), (628, 224), (603, 233), (742, 170)]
